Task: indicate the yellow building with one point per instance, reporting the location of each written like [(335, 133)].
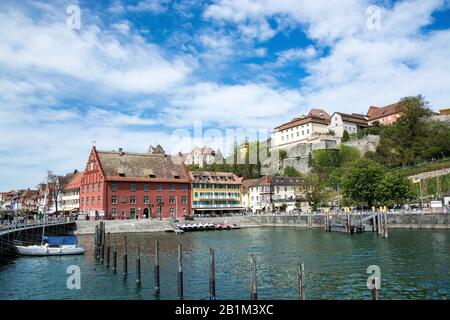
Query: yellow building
[(216, 192)]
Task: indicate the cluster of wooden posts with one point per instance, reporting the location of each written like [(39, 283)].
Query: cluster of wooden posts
[(380, 224), (102, 242), (378, 220)]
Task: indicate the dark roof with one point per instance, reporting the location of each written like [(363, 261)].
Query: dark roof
[(214, 177), (272, 180), (319, 116), (354, 118), (141, 165), (379, 112)]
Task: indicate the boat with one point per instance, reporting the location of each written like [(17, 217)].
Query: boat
[(178, 231), (51, 246)]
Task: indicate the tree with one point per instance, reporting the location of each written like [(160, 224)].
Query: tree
[(395, 188), (361, 181), (291, 172), (345, 136)]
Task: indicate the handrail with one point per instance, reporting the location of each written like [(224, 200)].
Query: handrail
[(6, 226)]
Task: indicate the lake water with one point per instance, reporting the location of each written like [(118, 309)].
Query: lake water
[(414, 265)]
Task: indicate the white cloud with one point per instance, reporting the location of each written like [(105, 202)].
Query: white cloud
[(154, 6), (90, 55)]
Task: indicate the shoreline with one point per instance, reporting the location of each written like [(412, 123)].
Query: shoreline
[(395, 221)]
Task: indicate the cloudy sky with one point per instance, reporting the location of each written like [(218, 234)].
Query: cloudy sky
[(137, 71)]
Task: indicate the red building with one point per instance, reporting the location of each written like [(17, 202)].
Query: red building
[(121, 184), (384, 115)]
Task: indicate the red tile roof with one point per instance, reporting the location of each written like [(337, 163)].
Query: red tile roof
[(380, 112), (75, 181), (319, 116)]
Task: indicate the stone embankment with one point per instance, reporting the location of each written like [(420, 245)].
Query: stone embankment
[(395, 220)]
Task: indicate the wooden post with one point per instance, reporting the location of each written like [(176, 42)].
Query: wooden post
[(96, 241), (125, 257), (301, 281), (102, 249), (379, 223), (115, 255), (373, 223), (212, 276), (138, 265), (180, 273), (386, 221), (374, 290), (108, 252), (254, 291), (382, 225), (157, 288)]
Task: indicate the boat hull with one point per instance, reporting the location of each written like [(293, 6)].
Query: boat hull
[(49, 251)]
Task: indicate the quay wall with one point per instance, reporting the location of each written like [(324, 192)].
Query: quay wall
[(395, 220)]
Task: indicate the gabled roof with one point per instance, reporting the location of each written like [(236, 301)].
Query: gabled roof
[(124, 165), (214, 177), (379, 112), (28, 193), (353, 118), (272, 180), (319, 116), (75, 181)]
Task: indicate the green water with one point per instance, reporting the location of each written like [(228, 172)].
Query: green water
[(414, 265)]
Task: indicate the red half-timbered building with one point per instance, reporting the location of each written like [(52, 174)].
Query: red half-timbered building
[(125, 185)]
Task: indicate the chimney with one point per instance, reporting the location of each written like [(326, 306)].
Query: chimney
[(120, 152)]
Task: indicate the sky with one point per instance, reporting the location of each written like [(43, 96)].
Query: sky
[(133, 73)]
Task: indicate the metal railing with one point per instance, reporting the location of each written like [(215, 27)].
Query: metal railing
[(16, 224)]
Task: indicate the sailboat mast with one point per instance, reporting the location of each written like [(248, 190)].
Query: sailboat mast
[(45, 207)]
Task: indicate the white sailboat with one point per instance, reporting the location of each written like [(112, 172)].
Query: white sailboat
[(55, 246)]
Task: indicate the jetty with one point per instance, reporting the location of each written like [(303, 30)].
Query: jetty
[(190, 227)]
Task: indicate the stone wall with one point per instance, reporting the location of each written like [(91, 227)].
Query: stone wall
[(369, 143), (395, 220)]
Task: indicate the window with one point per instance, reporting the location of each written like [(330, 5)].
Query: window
[(158, 199), (99, 187), (98, 200), (172, 210), (132, 199), (171, 200), (146, 187), (146, 200), (91, 166), (113, 199), (113, 186), (171, 187), (93, 200), (124, 199), (307, 131), (93, 187), (184, 187), (82, 201), (133, 186), (159, 187), (133, 212), (87, 188), (113, 212), (184, 199), (196, 194)]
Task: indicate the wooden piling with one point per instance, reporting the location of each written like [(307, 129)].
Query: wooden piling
[(385, 225), (157, 287), (138, 265), (125, 257), (379, 223), (254, 290), (108, 252), (102, 243), (180, 273), (301, 281), (115, 255), (96, 242), (212, 276), (374, 290)]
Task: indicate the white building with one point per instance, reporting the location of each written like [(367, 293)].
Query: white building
[(305, 129), (351, 123), (202, 156), (70, 202), (270, 193)]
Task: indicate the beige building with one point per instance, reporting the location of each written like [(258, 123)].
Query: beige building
[(70, 202), (352, 123), (305, 129)]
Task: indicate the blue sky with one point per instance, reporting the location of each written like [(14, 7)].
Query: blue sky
[(137, 71)]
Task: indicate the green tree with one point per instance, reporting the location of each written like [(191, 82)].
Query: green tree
[(291, 172), (361, 181), (345, 136), (395, 188)]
